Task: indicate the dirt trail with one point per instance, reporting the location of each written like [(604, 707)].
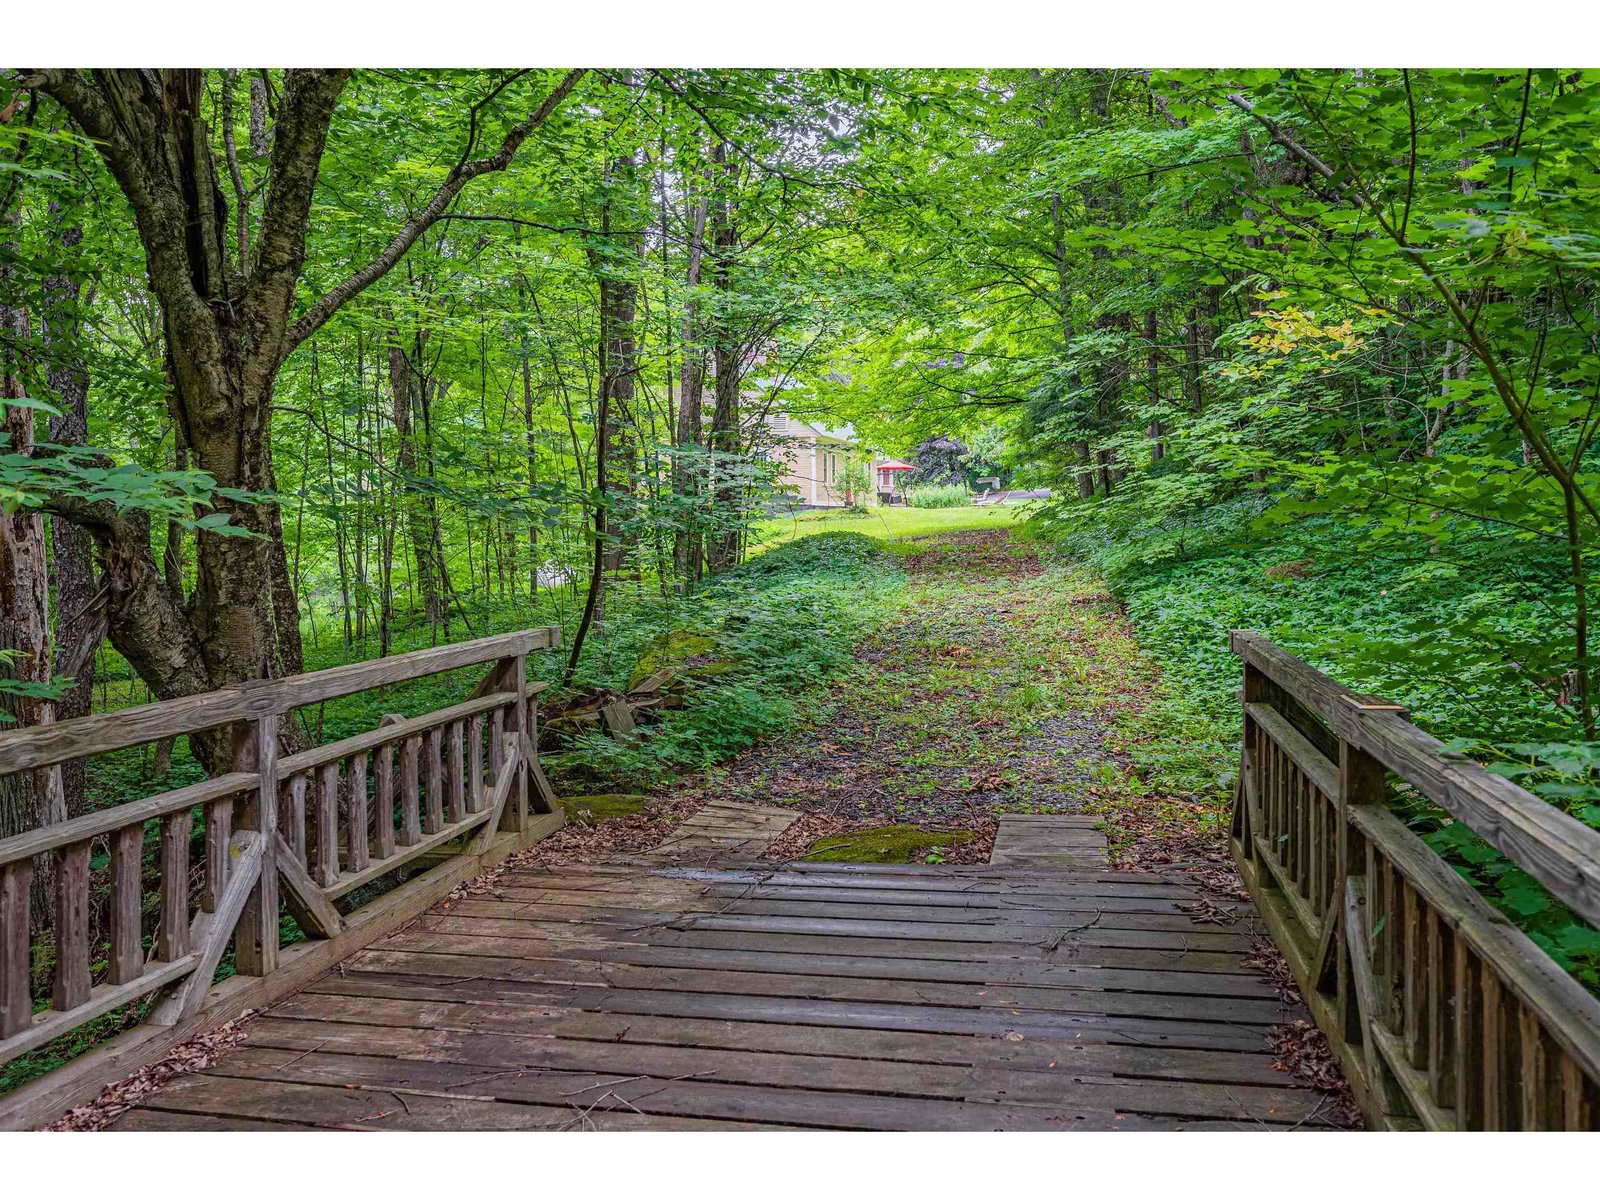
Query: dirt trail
[(993, 689)]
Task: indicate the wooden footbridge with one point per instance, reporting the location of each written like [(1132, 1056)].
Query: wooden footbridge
[(701, 985)]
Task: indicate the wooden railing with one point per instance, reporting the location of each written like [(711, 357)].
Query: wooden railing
[(1444, 1015), (308, 830)]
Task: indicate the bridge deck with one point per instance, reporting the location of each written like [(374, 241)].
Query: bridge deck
[(647, 993)]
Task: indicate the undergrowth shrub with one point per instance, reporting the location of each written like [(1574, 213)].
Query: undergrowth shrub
[(787, 619), (1457, 629), (938, 495)]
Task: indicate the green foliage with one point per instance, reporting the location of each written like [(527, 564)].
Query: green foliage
[(936, 495), (1442, 635), (781, 624)]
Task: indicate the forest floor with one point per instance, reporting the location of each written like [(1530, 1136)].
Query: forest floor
[(1006, 681)]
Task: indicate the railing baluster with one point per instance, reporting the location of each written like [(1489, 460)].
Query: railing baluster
[(383, 844), (327, 866), (410, 802), (434, 812), (172, 929), (1441, 1012), (16, 1004), (455, 779), (1416, 977), (295, 817), (255, 943), (1469, 1069), (519, 725), (1575, 1111), (475, 764), (219, 836), (1495, 1068), (357, 815), (72, 927), (127, 902), (1537, 1081)]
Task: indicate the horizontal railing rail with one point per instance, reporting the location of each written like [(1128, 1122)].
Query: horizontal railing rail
[(296, 833), (1443, 1013)]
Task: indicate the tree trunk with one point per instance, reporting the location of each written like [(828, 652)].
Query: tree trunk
[(406, 385), (686, 550), (1152, 367), (225, 333), (723, 551), (27, 799), (79, 621), (532, 442)]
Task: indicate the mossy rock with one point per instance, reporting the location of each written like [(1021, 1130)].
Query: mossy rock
[(885, 844), (590, 809), (683, 650)]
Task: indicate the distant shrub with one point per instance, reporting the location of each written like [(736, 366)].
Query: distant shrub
[(938, 495)]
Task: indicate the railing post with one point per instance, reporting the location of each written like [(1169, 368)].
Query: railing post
[(255, 948)]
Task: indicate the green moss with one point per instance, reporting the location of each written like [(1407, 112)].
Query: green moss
[(695, 653), (886, 844), (590, 809)]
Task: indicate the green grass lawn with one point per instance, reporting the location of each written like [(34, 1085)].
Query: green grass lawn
[(887, 524)]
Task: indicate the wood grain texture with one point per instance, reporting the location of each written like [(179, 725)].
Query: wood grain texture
[(40, 746), (1442, 1012), (918, 998), (1556, 849)]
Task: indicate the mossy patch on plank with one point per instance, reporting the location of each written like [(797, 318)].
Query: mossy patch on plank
[(885, 844), (590, 809), (688, 652)]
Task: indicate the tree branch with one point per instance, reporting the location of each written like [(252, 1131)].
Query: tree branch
[(460, 175)]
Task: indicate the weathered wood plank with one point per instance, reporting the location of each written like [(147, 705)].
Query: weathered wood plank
[(292, 817), (109, 820), (702, 1097), (426, 1021), (383, 843), (172, 925), (996, 1022), (775, 983), (42, 745), (255, 944), (42, 1099), (475, 779), (589, 959), (817, 1070), (313, 911)]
